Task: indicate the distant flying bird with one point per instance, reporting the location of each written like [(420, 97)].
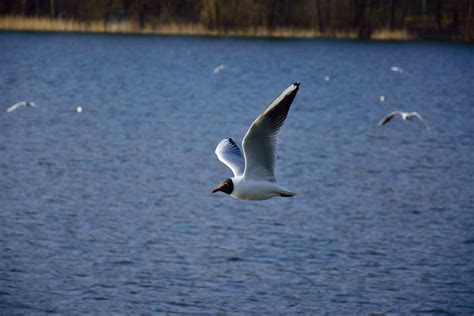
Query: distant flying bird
[(254, 172), (405, 116), (327, 78), (382, 98), (396, 69), (79, 109), (21, 104), (218, 69)]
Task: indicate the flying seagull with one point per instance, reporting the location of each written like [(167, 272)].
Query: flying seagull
[(20, 104), (405, 116), (396, 69), (218, 69), (254, 172)]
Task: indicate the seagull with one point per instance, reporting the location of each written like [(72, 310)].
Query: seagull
[(254, 172), (20, 104), (218, 69), (396, 69), (405, 116)]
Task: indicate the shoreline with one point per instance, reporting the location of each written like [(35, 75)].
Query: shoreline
[(41, 24), (14, 23)]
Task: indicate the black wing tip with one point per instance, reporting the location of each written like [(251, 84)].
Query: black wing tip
[(385, 120), (297, 85), (231, 141)]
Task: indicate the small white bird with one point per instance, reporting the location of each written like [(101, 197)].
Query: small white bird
[(405, 116), (396, 69), (21, 104), (79, 109), (327, 78), (254, 172), (382, 98), (218, 69)]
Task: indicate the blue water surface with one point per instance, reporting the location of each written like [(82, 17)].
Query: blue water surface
[(109, 211)]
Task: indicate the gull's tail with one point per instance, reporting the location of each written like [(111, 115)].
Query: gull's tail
[(284, 192)]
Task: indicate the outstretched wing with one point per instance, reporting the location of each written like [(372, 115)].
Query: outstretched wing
[(389, 117), (418, 116), (16, 106), (229, 153), (260, 141)]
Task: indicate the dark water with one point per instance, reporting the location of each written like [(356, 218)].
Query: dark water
[(110, 211)]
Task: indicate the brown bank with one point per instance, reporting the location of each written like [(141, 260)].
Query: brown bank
[(351, 19)]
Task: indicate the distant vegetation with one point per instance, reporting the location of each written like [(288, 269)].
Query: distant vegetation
[(364, 19)]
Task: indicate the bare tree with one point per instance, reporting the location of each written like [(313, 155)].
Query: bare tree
[(468, 28), (391, 19), (52, 8), (439, 15), (319, 15)]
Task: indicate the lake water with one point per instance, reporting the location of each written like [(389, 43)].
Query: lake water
[(109, 211)]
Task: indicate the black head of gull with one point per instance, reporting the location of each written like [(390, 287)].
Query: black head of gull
[(226, 186)]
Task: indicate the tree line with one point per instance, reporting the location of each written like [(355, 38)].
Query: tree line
[(443, 19)]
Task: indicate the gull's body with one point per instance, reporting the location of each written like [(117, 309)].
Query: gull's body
[(218, 69), (254, 172), (396, 69), (21, 104), (248, 189), (406, 116)]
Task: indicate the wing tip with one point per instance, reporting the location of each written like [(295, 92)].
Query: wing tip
[(382, 121), (292, 89), (226, 143), (231, 141)]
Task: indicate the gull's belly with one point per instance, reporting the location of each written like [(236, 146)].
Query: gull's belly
[(255, 190)]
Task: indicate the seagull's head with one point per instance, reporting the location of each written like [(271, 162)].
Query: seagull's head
[(226, 186)]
